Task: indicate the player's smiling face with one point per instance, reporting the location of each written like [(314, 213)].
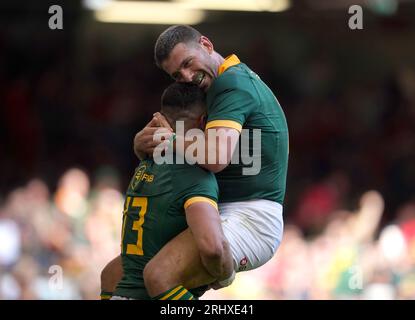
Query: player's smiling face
[(191, 63)]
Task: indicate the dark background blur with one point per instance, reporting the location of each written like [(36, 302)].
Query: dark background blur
[(74, 98)]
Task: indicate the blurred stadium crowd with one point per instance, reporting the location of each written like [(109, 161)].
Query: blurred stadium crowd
[(78, 229), (68, 117)]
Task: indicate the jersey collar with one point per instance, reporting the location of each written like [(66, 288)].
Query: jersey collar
[(229, 62)]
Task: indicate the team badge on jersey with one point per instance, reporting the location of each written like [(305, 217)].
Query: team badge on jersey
[(138, 176)]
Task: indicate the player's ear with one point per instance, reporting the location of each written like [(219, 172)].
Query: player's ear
[(206, 44), (202, 121)]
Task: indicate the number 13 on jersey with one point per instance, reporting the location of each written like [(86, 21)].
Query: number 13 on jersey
[(132, 204)]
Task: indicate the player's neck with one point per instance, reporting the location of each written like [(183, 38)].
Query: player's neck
[(218, 61)]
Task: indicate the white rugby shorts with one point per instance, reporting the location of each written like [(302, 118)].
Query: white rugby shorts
[(254, 230)]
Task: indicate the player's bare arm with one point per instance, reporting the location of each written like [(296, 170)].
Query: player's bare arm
[(220, 143), (199, 255), (205, 225)]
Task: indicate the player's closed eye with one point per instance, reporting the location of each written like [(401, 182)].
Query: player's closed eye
[(188, 63)]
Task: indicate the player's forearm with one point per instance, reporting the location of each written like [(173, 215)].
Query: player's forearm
[(215, 156), (215, 168), (204, 221), (212, 157)]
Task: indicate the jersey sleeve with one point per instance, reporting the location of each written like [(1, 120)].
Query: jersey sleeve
[(194, 199), (194, 184), (229, 103)]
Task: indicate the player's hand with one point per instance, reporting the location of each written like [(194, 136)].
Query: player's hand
[(222, 284), (144, 142), (162, 121), (215, 286)]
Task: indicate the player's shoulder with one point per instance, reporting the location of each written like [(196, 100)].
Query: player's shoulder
[(235, 78), (192, 180), (185, 176), (233, 75), (191, 173)]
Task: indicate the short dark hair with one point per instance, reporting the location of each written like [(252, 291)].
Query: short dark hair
[(170, 38), (180, 99)]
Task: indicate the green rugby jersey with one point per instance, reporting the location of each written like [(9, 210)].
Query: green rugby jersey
[(154, 213), (239, 99)]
